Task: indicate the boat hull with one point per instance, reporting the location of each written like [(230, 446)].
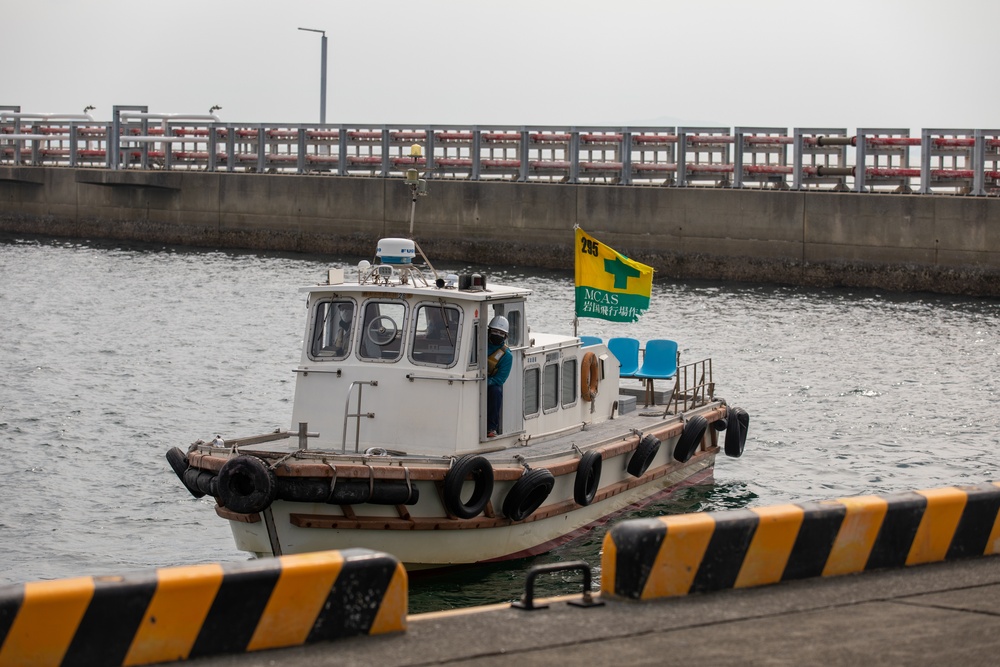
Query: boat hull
[(290, 527)]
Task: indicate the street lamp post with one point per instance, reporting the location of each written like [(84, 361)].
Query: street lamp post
[(322, 76)]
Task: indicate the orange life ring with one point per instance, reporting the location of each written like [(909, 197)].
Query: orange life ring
[(589, 377)]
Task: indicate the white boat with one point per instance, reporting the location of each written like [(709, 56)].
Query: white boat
[(390, 448)]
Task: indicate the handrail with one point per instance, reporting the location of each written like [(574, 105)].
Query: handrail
[(129, 115), (45, 116), (938, 161), (693, 386), (357, 415), (302, 433), (444, 378)]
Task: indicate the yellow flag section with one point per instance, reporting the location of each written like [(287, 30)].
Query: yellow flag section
[(609, 286)]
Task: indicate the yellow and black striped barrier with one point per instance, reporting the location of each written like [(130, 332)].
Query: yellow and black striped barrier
[(691, 553), (186, 612)]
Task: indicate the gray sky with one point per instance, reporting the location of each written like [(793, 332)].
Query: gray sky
[(783, 63)]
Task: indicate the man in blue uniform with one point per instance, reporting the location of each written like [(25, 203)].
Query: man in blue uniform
[(498, 361)]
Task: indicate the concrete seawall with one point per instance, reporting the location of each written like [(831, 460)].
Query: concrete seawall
[(938, 243)]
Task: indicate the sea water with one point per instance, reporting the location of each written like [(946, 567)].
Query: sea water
[(111, 354)]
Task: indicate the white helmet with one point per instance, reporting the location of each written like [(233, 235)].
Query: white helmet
[(500, 324)]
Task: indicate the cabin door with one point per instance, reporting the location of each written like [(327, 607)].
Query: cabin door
[(512, 420)]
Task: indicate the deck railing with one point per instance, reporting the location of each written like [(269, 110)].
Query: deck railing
[(939, 161), (692, 387)]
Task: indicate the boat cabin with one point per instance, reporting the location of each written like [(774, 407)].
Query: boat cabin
[(397, 362)]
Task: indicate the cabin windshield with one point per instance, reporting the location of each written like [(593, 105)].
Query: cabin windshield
[(382, 331), (332, 330), (435, 335)]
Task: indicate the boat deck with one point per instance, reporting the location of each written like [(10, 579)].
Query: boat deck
[(516, 449), (619, 428)]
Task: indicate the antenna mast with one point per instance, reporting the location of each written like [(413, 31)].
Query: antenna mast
[(418, 188)]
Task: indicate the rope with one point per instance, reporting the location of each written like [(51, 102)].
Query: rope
[(333, 480), (285, 458)]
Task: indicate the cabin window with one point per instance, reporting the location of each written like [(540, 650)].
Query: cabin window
[(435, 335), (514, 320), (333, 330), (381, 331), (550, 387), (531, 391), (569, 376), (474, 352)]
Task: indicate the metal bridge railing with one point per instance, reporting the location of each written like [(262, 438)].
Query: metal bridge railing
[(939, 161)]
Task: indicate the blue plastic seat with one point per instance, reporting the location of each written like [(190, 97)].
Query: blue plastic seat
[(590, 340), (659, 362), (626, 351)]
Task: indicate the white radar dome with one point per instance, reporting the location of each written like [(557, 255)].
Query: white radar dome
[(396, 251)]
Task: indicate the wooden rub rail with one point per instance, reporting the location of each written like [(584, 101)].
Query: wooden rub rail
[(186, 612), (939, 161), (692, 553)]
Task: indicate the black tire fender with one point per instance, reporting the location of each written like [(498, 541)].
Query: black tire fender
[(528, 494), (200, 481), (736, 432), (588, 478), (691, 436), (179, 462), (247, 485), (643, 456), (454, 480)]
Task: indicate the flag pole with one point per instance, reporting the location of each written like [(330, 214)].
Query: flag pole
[(576, 320)]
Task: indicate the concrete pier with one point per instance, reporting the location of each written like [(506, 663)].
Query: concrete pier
[(900, 242), (940, 614), (909, 578)]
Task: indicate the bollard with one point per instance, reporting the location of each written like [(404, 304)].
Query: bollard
[(527, 601)]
